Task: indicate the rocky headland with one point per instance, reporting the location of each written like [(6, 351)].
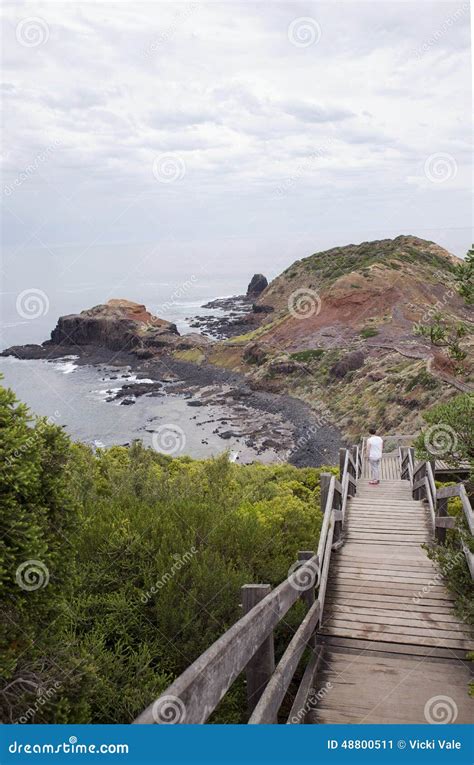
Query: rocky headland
[(337, 330)]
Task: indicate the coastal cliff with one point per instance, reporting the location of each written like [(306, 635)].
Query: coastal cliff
[(338, 330)]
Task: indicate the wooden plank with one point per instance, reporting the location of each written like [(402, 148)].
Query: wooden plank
[(447, 491), (447, 616), (386, 539), (468, 513), (395, 536), (405, 633), (445, 522), (423, 575), (375, 602), (262, 664), (390, 600), (393, 688), (469, 558), (407, 620), (394, 607), (372, 524), (420, 484), (374, 646), (394, 637), (387, 568), (373, 554), (300, 706), (392, 564), (342, 576), (383, 589), (273, 695)]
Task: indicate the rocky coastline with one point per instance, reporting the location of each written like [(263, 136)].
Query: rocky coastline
[(122, 334)]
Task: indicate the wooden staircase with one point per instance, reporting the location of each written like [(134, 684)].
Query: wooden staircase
[(380, 641), (391, 640)]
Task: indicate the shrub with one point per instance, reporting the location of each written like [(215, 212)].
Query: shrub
[(449, 431), (146, 556), (424, 380), (368, 332), (310, 355)]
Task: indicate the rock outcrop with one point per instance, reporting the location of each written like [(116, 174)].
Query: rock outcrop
[(349, 363), (257, 284), (119, 325), (116, 325)]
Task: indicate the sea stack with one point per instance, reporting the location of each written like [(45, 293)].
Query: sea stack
[(257, 284)]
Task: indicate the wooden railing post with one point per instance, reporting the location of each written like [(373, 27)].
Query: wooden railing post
[(353, 452), (309, 595), (342, 460), (324, 481), (262, 665), (411, 453), (441, 512), (337, 505)]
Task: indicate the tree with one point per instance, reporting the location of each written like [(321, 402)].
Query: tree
[(37, 513), (445, 334), (464, 276)]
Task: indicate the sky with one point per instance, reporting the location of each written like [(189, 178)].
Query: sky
[(260, 130)]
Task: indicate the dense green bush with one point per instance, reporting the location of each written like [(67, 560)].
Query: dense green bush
[(145, 556), (449, 434), (37, 567)]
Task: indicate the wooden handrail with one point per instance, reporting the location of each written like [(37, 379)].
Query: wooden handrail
[(273, 695), (423, 485), (200, 688)]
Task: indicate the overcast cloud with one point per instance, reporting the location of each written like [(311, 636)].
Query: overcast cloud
[(292, 125)]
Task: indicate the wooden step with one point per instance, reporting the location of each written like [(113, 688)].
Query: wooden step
[(397, 637)]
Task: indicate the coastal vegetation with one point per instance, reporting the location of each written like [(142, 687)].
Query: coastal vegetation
[(450, 432), (120, 566)]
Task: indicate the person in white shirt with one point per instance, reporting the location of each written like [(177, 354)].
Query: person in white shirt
[(374, 451)]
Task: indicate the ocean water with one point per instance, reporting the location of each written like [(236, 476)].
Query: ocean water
[(75, 397), (39, 285)]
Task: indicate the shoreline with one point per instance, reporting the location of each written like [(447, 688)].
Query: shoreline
[(292, 425)]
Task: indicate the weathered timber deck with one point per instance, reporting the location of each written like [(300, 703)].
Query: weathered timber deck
[(391, 640)]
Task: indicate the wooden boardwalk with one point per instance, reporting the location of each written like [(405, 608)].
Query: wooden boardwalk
[(379, 640), (392, 644)]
